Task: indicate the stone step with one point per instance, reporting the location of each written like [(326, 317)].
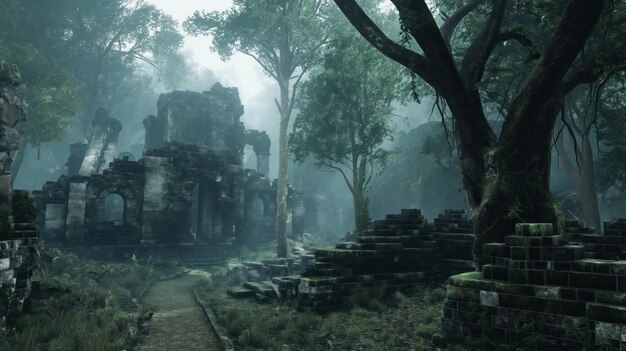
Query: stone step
[(397, 227), (369, 246), (454, 230), (453, 236), (402, 216), (264, 288), (240, 292), (288, 282), (406, 240), (390, 232), (278, 261), (441, 221)]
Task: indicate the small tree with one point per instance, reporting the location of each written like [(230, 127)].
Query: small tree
[(284, 38), (345, 109)]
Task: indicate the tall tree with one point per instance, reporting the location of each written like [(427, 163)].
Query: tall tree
[(506, 178), (102, 43), (284, 38), (345, 108)]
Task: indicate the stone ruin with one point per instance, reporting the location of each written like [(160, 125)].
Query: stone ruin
[(397, 253), (189, 191), (564, 291), (18, 234)]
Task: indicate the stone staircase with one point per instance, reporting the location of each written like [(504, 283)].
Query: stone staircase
[(397, 253), (454, 234)]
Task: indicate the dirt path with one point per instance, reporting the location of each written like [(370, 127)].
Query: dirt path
[(178, 322)]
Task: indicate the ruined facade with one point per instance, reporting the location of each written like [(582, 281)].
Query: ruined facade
[(188, 188)]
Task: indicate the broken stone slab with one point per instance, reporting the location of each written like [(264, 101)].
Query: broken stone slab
[(240, 292)]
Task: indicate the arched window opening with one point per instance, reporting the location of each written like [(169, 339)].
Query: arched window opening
[(249, 157), (114, 208), (258, 209)]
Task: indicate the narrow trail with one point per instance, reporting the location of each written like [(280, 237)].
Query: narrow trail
[(178, 322)]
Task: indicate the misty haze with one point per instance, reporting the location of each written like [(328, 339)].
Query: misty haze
[(312, 175)]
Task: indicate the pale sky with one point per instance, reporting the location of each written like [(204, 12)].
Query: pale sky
[(240, 71)]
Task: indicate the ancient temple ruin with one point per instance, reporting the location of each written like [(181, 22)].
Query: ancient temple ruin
[(188, 188)]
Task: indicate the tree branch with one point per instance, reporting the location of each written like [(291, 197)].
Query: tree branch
[(449, 26), (515, 34), (345, 177), (375, 36), (577, 22), (475, 59), (264, 66)]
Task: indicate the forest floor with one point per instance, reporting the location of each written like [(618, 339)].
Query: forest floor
[(178, 322), (402, 321), (82, 304)]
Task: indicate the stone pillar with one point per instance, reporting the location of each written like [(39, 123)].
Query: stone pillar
[(12, 110), (76, 203), (75, 160), (207, 196), (108, 153), (297, 218), (154, 132), (105, 130), (263, 164)]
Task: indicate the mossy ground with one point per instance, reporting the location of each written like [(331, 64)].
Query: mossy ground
[(83, 305), (401, 321)]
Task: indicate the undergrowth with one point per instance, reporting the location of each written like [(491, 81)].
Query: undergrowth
[(80, 304), (373, 321)]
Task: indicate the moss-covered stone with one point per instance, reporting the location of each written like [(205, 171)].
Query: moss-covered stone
[(10, 74)]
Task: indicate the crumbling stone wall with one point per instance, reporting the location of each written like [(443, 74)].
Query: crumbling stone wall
[(12, 111), (541, 284), (172, 172), (189, 187), (18, 233), (126, 179), (209, 119)]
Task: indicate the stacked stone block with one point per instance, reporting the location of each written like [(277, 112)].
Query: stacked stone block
[(611, 245), (454, 233), (397, 253), (537, 284), (18, 258)]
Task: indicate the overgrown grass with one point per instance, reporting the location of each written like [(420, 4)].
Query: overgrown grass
[(374, 321), (83, 305)]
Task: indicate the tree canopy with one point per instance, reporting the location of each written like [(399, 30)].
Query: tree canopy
[(345, 110)]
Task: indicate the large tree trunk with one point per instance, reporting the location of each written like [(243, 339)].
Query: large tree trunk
[(587, 188), (517, 185), (360, 197), (283, 158)]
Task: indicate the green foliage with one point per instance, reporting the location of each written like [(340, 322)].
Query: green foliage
[(90, 305), (402, 321), (268, 31), (345, 110), (106, 47), (49, 89)]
